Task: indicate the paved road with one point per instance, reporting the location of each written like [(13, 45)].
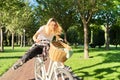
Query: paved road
[(26, 72)]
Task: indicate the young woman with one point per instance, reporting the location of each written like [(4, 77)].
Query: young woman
[(45, 32)]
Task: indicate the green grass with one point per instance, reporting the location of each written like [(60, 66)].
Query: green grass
[(102, 65), (9, 57)]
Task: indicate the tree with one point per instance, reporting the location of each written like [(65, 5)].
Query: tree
[(3, 19), (26, 19), (107, 17), (12, 23), (1, 39), (16, 16), (86, 8)]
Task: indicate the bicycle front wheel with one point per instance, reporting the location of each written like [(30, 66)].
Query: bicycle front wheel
[(39, 70), (61, 74)]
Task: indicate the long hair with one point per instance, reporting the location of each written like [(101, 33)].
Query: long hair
[(57, 30)]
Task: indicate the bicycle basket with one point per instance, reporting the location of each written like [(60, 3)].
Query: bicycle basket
[(57, 52)]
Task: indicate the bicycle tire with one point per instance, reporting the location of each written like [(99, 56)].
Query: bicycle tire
[(62, 74), (38, 70)]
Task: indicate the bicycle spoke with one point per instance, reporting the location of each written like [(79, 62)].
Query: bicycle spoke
[(39, 72), (61, 74)]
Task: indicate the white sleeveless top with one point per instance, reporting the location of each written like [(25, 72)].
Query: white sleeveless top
[(43, 35)]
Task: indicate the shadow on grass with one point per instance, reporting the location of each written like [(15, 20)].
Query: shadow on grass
[(10, 50), (10, 57), (108, 58), (16, 49), (103, 49), (107, 71), (78, 51)]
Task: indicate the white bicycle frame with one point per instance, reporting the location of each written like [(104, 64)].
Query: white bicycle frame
[(47, 73)]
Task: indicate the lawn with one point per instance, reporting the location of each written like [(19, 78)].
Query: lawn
[(102, 64)]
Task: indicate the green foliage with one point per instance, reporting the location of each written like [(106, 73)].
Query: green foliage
[(105, 17), (61, 10), (87, 8), (10, 8), (97, 36), (74, 36), (17, 16)]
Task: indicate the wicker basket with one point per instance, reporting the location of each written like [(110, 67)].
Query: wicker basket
[(56, 51)]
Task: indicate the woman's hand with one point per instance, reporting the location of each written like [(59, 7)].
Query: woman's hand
[(37, 41), (60, 39)]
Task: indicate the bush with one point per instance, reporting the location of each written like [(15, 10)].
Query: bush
[(98, 39), (115, 35)]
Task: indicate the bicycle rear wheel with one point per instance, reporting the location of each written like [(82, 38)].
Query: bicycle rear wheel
[(61, 74)]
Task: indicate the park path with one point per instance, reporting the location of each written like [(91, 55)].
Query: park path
[(25, 72)]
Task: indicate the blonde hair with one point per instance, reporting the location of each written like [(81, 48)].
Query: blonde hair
[(56, 31)]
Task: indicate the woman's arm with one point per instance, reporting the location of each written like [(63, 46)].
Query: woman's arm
[(35, 37), (36, 34)]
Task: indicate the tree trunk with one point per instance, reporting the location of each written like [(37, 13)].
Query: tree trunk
[(13, 41), (91, 39), (107, 39), (65, 37), (19, 39), (21, 42), (116, 46), (86, 48), (1, 40), (24, 38)]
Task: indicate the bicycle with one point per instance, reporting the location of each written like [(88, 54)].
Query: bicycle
[(55, 69)]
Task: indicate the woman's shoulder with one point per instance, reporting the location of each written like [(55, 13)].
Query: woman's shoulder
[(42, 27)]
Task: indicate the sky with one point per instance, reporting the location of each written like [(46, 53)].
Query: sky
[(33, 2)]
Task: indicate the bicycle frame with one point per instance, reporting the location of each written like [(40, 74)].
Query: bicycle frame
[(54, 71), (52, 66)]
